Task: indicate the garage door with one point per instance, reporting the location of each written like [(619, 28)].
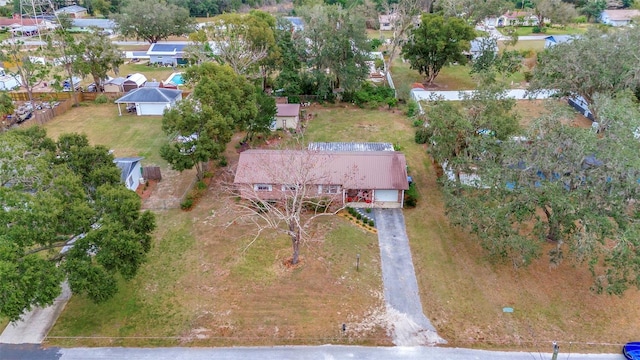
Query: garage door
[(386, 195)]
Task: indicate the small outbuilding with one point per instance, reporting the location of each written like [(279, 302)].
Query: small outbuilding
[(149, 100), (114, 85), (130, 171), (287, 116), (133, 81), (10, 82)]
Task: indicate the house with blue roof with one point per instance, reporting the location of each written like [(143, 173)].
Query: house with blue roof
[(130, 171), (167, 54)]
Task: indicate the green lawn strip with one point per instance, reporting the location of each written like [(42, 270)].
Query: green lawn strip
[(127, 135), (145, 308), (159, 73), (453, 77), (549, 30)]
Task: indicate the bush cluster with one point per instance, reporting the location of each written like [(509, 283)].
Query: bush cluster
[(372, 95), (194, 194), (411, 196)]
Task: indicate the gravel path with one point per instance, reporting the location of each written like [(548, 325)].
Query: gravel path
[(410, 326)]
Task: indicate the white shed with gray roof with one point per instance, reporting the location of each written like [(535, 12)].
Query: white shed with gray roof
[(150, 100)]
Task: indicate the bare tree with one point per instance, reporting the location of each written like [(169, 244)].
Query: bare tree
[(287, 190), (401, 17)]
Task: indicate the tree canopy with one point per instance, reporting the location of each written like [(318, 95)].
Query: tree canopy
[(64, 195), (561, 188), (153, 20), (437, 42), (601, 63), (201, 128), (99, 56)]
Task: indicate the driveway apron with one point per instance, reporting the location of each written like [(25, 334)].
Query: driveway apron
[(410, 326)]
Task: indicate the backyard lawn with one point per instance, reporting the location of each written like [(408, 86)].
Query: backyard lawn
[(574, 29), (204, 286)]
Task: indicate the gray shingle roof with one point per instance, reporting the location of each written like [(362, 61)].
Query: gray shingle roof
[(99, 23), (150, 95), (126, 165), (71, 9)]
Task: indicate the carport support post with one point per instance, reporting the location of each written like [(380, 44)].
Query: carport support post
[(556, 348)]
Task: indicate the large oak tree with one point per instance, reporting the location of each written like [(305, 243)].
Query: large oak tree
[(64, 195), (437, 42), (153, 20)]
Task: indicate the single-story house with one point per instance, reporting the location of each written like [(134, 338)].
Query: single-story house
[(517, 18), (107, 26), (149, 100), (74, 11), (287, 116), (167, 54), (297, 24), (114, 85), (552, 40), (386, 22), (477, 47), (622, 17), (353, 178), (133, 81), (130, 171)]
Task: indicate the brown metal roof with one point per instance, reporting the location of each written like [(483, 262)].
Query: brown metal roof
[(352, 170), (288, 109)]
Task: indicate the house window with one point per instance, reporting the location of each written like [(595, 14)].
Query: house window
[(262, 187), (330, 189), (289, 187), (130, 182)]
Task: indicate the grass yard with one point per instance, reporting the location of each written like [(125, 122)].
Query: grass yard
[(204, 286), (127, 135), (575, 29), (532, 45), (159, 73)]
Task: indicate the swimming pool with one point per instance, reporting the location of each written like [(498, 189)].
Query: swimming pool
[(176, 78)]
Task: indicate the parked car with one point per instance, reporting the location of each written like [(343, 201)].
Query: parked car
[(631, 350)]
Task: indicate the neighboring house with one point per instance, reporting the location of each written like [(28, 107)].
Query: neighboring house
[(354, 178), (167, 54), (552, 40), (618, 17), (476, 48), (287, 116), (149, 100), (130, 171), (297, 24), (386, 22), (74, 11), (106, 26), (114, 85), (350, 146), (133, 81), (517, 18)]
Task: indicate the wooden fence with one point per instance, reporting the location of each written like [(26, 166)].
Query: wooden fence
[(151, 173)]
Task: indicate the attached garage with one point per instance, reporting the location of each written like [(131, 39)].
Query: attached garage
[(386, 195)]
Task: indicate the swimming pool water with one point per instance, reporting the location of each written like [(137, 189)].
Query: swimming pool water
[(176, 79)]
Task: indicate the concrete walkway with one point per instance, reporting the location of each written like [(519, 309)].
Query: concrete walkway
[(35, 325), (411, 327)]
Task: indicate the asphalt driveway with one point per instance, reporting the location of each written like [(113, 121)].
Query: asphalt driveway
[(411, 326)]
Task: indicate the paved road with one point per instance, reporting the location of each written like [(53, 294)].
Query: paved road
[(35, 325), (411, 327), (21, 352)]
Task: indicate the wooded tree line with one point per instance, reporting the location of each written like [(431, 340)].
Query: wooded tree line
[(550, 185)]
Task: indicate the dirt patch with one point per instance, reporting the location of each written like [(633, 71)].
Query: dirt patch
[(169, 192)]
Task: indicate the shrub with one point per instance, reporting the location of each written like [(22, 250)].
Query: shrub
[(582, 19), (101, 99), (358, 216), (201, 185), (539, 30), (223, 162), (411, 196), (294, 99), (422, 135), (375, 44), (371, 223), (368, 210), (370, 94), (418, 122), (392, 102), (528, 75), (412, 108), (187, 203), (318, 205)]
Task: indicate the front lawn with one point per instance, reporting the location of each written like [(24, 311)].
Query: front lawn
[(204, 286)]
